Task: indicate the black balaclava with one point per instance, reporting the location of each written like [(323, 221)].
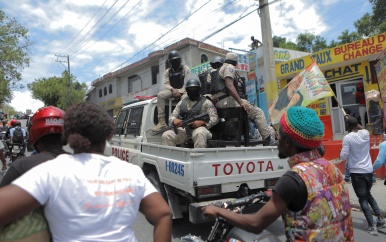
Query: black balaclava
[(175, 63), (193, 93)]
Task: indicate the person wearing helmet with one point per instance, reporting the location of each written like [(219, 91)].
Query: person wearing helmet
[(173, 84), (361, 101), (192, 105), (45, 131), (215, 64), (45, 137), (87, 196), (17, 135), (225, 95)]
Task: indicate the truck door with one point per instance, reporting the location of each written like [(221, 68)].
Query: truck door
[(125, 144)]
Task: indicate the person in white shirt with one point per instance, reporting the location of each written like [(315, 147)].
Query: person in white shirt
[(356, 150), (87, 196)]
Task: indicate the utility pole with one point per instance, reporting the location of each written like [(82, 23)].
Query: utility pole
[(68, 96), (269, 61)]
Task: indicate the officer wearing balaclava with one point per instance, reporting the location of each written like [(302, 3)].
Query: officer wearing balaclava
[(192, 105), (173, 84)]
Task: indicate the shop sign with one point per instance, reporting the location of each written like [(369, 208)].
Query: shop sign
[(242, 65), (380, 69), (350, 51)]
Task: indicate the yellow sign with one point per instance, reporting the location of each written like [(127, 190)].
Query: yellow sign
[(380, 69), (360, 48), (111, 103)]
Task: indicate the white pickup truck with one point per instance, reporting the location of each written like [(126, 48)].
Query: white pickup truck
[(189, 178)]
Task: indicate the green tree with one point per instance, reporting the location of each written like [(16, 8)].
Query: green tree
[(375, 23), (347, 37), (57, 91), (304, 41), (319, 43), (281, 42), (14, 55)]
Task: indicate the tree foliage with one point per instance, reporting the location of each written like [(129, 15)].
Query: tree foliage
[(14, 55), (375, 23), (57, 91), (367, 25)]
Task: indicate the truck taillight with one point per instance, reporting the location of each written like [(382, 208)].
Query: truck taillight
[(208, 191), (270, 183)]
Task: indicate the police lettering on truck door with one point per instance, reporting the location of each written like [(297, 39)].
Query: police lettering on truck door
[(122, 154)]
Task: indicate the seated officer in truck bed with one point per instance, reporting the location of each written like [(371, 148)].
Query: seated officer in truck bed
[(191, 106)]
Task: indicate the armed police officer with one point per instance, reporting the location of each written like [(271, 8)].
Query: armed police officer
[(173, 84), (225, 95), (192, 105), (215, 65)]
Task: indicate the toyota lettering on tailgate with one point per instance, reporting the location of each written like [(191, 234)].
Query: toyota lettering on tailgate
[(120, 153), (242, 167)]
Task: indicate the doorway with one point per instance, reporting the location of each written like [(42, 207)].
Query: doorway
[(345, 93)]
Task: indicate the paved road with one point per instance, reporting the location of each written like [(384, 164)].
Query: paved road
[(183, 227)]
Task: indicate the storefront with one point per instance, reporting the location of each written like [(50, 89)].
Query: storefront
[(343, 67), (112, 106)]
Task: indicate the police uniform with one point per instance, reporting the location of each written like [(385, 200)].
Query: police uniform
[(227, 101), (167, 93), (199, 135)]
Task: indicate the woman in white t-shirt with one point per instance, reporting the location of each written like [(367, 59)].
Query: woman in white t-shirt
[(87, 196)]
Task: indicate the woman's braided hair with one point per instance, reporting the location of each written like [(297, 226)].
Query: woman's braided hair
[(87, 126)]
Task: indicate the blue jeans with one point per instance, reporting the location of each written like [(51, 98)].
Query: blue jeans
[(347, 173), (362, 184)]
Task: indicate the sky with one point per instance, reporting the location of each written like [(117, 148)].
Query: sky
[(101, 36)]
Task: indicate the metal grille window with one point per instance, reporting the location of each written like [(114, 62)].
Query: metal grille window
[(130, 82), (154, 73), (204, 58), (100, 92), (110, 88), (105, 91)]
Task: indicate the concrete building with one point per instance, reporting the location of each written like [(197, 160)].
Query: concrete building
[(145, 77)]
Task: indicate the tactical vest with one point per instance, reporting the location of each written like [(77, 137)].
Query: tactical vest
[(217, 84), (327, 213), (194, 110), (177, 78)]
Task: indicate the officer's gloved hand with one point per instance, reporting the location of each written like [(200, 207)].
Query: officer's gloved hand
[(177, 122)]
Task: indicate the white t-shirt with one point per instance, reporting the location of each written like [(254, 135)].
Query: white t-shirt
[(356, 150), (88, 197)]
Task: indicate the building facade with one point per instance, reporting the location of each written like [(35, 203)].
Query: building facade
[(344, 67), (145, 77)]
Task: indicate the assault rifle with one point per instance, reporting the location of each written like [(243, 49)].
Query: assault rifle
[(185, 124)]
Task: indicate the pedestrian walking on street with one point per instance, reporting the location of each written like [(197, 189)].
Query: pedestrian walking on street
[(87, 196), (356, 151)]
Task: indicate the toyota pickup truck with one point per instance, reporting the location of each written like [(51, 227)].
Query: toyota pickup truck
[(189, 178)]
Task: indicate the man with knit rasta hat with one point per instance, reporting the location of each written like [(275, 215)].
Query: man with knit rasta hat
[(311, 198)]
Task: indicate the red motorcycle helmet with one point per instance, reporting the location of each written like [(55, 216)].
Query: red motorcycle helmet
[(13, 122), (48, 120)]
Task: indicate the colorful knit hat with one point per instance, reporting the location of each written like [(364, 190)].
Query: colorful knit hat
[(303, 127)]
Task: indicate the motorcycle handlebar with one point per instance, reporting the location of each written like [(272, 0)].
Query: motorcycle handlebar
[(264, 196)]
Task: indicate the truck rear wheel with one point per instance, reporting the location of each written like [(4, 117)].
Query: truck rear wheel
[(154, 179)]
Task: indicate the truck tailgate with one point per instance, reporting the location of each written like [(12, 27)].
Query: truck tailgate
[(235, 165)]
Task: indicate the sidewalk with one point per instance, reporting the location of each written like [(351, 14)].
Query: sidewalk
[(378, 191)]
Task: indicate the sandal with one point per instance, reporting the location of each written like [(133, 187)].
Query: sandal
[(4, 167)]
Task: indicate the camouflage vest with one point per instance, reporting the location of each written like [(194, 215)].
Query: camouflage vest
[(327, 213)]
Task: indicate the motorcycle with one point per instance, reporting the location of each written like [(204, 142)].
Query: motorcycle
[(16, 152), (223, 231)]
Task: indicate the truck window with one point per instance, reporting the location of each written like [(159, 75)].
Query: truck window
[(121, 120), (133, 126)]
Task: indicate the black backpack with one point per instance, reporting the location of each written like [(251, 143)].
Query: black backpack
[(18, 136)]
